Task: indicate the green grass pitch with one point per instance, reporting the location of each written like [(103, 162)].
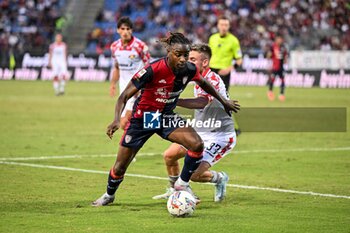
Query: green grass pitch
[(34, 123)]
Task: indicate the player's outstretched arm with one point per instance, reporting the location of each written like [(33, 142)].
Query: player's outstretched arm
[(230, 105), (129, 91), (193, 103)]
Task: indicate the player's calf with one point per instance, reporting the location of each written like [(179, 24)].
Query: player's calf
[(202, 174), (114, 181), (170, 159), (191, 163)]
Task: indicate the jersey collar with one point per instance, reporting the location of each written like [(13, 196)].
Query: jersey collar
[(130, 42), (205, 72), (167, 64)]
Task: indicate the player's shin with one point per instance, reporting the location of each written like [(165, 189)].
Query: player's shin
[(113, 182), (56, 85), (191, 163), (173, 170), (282, 86), (271, 81)]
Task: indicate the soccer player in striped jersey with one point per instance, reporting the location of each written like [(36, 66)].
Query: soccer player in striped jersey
[(129, 54), (218, 141), (160, 83)]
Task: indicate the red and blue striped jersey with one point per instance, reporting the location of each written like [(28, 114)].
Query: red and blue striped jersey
[(161, 87)]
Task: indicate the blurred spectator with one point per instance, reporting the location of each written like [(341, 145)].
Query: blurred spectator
[(305, 24), (27, 26), (325, 44)]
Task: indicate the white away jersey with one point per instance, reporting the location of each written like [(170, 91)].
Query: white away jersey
[(130, 58), (58, 51), (214, 109)]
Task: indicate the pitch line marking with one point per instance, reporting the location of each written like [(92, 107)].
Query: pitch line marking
[(163, 178), (293, 150), (70, 157), (154, 154)]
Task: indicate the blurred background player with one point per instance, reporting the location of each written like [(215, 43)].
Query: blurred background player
[(161, 83), (218, 142), (225, 48), (130, 54), (278, 54), (58, 63)]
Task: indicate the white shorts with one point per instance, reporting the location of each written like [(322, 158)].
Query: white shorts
[(129, 105), (217, 145), (59, 69)]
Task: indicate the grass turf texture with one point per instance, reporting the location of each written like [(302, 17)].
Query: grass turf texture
[(34, 123)]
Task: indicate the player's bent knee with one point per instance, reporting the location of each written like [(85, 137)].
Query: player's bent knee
[(168, 156), (197, 146)]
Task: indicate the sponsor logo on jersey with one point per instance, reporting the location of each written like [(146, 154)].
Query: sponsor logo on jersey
[(132, 56), (166, 101), (123, 65), (165, 94), (162, 81), (161, 91)]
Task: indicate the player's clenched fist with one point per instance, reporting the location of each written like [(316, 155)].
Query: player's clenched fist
[(114, 126)]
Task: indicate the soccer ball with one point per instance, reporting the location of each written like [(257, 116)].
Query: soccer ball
[(181, 204)]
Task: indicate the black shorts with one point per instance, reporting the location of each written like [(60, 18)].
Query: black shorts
[(279, 73), (135, 135)]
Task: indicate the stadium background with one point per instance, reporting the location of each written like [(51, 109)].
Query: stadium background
[(317, 34)]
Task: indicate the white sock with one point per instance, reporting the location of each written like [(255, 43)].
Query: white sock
[(215, 177), (181, 182), (56, 86), (109, 195), (62, 84)]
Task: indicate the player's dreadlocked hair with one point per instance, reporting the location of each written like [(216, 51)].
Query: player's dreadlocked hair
[(174, 38)]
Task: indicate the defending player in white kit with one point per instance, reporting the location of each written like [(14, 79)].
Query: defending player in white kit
[(218, 141), (130, 54), (58, 63)]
